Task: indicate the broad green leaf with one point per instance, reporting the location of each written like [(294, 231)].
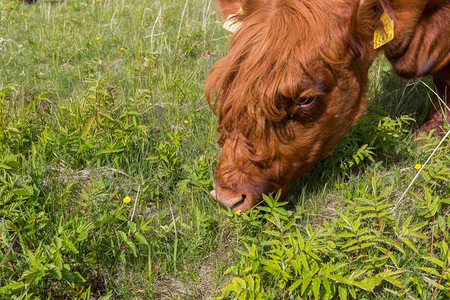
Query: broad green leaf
[(430, 270), (304, 261), (399, 248), (316, 286), (340, 279), (4, 166), (418, 284), (108, 151), (105, 114), (346, 234), (357, 274), (88, 125), (78, 278), (152, 157), (342, 292), (371, 215), (444, 244), (231, 287), (69, 245), (33, 275), (362, 232), (295, 285), (55, 272), (314, 269), (122, 235), (393, 259), (344, 217), (313, 255), (11, 287), (250, 282), (273, 233), (132, 246), (352, 291), (23, 192), (122, 257), (57, 258), (140, 238), (243, 295), (67, 275), (365, 245), (326, 284), (418, 235), (381, 207), (435, 260), (367, 286), (349, 243), (300, 239), (338, 266), (366, 237), (394, 281), (352, 248), (306, 282), (430, 281), (131, 226), (409, 243), (418, 226), (87, 294), (289, 225), (406, 223), (239, 282)]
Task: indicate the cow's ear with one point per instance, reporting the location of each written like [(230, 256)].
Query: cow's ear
[(229, 7), (371, 17), (364, 20)]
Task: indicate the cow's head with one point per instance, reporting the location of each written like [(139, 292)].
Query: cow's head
[(290, 87)]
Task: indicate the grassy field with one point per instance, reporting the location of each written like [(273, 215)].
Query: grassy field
[(107, 152)]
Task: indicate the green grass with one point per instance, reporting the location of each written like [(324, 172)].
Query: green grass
[(102, 100)]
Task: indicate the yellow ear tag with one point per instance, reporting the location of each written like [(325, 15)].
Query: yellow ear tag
[(386, 34), (232, 24)]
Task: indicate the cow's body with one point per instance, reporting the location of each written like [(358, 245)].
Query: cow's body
[(295, 78)]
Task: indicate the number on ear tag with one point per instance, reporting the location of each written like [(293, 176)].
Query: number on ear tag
[(386, 34)]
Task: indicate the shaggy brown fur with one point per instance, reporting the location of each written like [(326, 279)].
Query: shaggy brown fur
[(295, 78)]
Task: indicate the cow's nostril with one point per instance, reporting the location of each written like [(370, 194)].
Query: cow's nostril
[(243, 197)]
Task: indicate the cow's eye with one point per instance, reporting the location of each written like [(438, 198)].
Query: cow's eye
[(306, 101), (306, 104), (303, 107)]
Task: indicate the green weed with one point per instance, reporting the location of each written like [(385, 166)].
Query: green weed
[(107, 154)]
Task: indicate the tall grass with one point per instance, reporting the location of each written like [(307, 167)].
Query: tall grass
[(107, 151)]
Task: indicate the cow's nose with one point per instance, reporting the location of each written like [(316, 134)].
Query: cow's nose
[(240, 201)]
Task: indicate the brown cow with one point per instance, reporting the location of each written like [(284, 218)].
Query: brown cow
[(295, 77)]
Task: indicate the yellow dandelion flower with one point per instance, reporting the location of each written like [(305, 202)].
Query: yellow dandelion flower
[(417, 166), (98, 38), (186, 121), (121, 49), (126, 6), (25, 15), (14, 21), (238, 212), (126, 199), (90, 43)]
